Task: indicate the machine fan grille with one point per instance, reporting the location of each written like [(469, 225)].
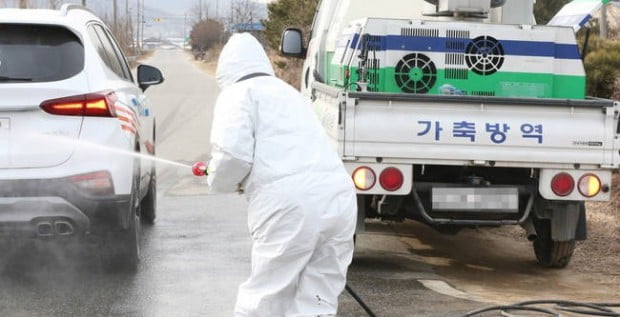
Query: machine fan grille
[(484, 55), (416, 73)]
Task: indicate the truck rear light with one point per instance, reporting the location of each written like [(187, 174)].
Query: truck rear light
[(100, 104), (96, 183), (589, 185), (562, 184), (364, 178), (391, 179)]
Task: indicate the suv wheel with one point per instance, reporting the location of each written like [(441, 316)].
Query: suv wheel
[(148, 207), (122, 248)]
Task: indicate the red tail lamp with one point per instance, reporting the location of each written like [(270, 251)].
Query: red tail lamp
[(391, 179), (562, 184)]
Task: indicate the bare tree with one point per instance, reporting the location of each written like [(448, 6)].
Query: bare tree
[(244, 12), (199, 9), (205, 34)]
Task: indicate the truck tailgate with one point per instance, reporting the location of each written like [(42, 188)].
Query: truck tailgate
[(479, 130)]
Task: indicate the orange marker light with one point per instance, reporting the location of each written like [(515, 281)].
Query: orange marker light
[(364, 178)]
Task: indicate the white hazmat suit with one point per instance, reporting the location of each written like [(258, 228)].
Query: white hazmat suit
[(301, 202)]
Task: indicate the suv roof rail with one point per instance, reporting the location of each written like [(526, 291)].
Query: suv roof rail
[(64, 10)]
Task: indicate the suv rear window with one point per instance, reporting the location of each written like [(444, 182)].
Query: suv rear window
[(38, 53)]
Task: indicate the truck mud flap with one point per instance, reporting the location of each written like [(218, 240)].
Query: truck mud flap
[(568, 219)]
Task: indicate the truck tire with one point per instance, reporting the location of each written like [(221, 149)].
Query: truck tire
[(549, 253), (148, 206)]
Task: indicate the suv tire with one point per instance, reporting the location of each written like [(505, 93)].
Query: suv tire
[(148, 207), (122, 248)]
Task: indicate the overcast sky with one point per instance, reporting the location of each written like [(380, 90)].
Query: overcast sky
[(176, 7), (181, 6)]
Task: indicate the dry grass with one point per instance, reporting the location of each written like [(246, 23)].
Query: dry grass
[(601, 252), (616, 95), (208, 62), (145, 55), (287, 69)]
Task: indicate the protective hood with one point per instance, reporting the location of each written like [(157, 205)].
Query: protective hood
[(241, 56)]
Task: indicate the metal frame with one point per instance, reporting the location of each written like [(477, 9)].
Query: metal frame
[(588, 103)]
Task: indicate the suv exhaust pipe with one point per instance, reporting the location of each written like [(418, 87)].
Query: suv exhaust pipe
[(45, 229), (49, 229), (63, 228)]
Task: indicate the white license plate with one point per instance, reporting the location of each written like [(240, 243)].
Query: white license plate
[(504, 200)]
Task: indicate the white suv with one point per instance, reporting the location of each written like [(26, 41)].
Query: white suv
[(70, 112)]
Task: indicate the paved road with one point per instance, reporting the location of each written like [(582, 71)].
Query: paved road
[(197, 253)]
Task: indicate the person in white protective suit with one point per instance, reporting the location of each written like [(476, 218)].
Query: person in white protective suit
[(302, 207)]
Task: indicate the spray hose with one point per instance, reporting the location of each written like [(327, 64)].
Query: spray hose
[(359, 301)]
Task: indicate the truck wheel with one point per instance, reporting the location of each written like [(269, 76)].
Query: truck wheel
[(122, 248), (549, 253), (148, 207)]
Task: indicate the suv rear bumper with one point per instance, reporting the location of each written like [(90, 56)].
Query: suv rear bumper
[(54, 208)]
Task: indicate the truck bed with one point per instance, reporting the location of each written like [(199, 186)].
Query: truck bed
[(470, 130)]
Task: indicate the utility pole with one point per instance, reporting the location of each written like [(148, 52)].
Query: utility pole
[(138, 22), (23, 4), (200, 10), (84, 3), (231, 21), (115, 17), (604, 22), (142, 21), (127, 16), (127, 25)]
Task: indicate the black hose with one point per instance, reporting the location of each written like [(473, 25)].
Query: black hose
[(569, 304), (359, 301), (511, 308), (585, 309)]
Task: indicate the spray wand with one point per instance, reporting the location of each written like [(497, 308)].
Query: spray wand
[(200, 169)]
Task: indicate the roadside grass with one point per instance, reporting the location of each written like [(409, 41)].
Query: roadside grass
[(287, 69), (208, 61), (145, 55), (601, 251)]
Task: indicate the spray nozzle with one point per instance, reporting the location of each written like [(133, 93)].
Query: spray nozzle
[(199, 169)]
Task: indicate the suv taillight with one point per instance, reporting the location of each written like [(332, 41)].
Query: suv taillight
[(99, 104), (96, 183)]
